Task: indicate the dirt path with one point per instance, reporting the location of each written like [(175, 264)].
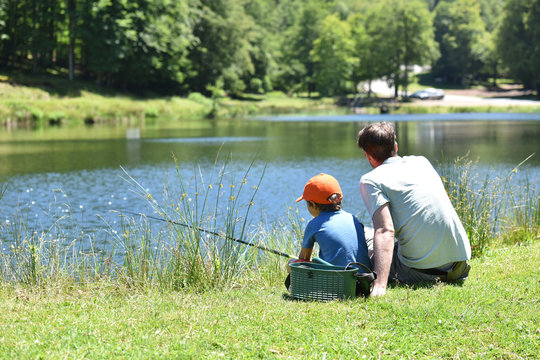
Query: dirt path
[(507, 96)]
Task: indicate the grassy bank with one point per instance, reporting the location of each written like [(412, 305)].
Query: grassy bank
[(47, 100), (494, 314)]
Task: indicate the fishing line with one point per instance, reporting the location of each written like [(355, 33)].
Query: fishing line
[(209, 232)]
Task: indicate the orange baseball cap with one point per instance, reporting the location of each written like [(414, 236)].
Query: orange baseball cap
[(319, 188)]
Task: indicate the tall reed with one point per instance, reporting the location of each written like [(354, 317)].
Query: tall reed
[(185, 256), (491, 206), (61, 252), (522, 221)]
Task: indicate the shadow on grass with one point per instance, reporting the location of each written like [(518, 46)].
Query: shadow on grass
[(393, 285), (52, 87), (288, 297), (424, 284), (58, 84), (248, 97)]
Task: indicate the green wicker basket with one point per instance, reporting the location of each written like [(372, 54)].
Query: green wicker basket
[(310, 281)]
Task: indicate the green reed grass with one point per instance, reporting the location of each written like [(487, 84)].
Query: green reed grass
[(492, 206), (185, 256), (522, 223), (48, 256)]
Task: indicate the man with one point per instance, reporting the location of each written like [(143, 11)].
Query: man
[(407, 201)]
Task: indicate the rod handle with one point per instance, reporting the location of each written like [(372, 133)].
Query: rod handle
[(318, 260)]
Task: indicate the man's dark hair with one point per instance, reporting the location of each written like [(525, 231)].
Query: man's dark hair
[(334, 206), (378, 140)]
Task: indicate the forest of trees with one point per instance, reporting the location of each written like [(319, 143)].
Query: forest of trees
[(237, 46)]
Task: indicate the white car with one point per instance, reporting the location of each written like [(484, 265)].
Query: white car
[(428, 94)]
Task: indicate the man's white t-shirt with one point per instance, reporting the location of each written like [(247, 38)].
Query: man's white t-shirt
[(428, 230)]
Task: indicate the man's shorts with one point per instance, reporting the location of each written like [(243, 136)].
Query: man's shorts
[(400, 272)]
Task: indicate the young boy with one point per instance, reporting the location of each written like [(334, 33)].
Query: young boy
[(339, 234)]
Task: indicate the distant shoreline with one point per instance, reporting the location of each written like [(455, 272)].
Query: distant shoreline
[(33, 107), (502, 116)]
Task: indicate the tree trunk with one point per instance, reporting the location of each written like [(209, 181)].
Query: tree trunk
[(406, 80), (405, 57), (71, 27), (34, 35), (495, 74), (52, 35), (396, 84)]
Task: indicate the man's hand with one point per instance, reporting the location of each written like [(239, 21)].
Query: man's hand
[(378, 290)]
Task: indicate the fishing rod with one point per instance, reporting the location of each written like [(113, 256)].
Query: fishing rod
[(210, 232)]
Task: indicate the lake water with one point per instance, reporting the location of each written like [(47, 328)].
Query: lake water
[(82, 171)]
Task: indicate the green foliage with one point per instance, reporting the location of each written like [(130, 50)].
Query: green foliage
[(364, 66), (416, 38), (297, 43), (401, 34), (221, 52), (332, 56), (200, 98), (518, 40), (460, 32), (130, 43), (175, 47)]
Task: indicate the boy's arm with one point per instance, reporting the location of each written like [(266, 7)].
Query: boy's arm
[(305, 254)]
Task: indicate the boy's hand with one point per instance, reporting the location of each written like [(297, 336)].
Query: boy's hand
[(294, 261)]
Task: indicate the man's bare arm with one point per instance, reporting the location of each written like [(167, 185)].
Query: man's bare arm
[(383, 248)]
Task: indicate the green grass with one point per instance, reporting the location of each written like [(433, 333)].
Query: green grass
[(494, 314)]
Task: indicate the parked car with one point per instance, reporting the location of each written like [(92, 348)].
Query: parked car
[(428, 94)]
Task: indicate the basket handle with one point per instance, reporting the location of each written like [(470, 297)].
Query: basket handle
[(361, 265), (364, 281)]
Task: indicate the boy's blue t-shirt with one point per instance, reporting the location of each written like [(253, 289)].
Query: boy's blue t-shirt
[(340, 237)]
